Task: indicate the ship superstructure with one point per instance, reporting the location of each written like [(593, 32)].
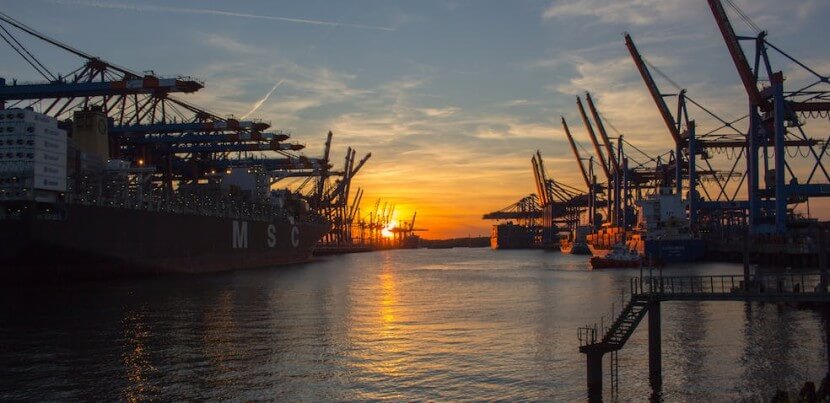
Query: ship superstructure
[(663, 232)]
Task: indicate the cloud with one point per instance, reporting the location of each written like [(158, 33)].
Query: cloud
[(228, 44), (513, 103), (439, 112), (632, 12), (222, 13)]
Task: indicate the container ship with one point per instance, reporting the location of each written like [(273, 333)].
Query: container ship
[(663, 233), (601, 242), (68, 211), (511, 236)]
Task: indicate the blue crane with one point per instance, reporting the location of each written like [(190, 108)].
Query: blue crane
[(775, 115)]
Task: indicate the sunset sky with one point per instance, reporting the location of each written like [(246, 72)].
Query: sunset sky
[(450, 97)]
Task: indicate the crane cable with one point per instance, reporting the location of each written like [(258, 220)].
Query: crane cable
[(744, 17), (690, 99), (28, 56)]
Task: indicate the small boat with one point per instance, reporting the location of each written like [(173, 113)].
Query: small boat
[(619, 257), (574, 248)]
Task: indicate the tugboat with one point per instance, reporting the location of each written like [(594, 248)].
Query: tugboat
[(619, 257), (574, 243)]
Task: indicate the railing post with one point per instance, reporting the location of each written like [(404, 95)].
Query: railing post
[(746, 261), (655, 361)]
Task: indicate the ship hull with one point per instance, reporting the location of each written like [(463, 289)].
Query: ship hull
[(672, 250), (575, 248), (94, 241), (611, 263), (598, 251), (508, 236)]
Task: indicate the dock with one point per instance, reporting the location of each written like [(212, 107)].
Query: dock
[(646, 293)]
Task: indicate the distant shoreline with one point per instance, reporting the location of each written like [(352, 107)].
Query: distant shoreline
[(466, 242)]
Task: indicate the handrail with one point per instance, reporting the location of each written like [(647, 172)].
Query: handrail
[(732, 284), (718, 286)]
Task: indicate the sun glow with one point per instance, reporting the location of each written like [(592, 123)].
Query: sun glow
[(387, 232)]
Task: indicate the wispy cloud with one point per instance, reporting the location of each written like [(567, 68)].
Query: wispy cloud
[(223, 13), (439, 112), (262, 101), (228, 44), (522, 102), (633, 12)]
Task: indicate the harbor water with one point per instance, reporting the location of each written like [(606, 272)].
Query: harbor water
[(449, 324)]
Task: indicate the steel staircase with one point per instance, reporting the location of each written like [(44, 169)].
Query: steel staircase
[(625, 324)]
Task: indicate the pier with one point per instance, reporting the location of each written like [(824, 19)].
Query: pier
[(647, 293)]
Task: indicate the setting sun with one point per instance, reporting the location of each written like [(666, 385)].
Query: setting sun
[(387, 232)]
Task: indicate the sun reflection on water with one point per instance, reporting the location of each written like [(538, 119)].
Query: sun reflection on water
[(136, 356), (219, 330)]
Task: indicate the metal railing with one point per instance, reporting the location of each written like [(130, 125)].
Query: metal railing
[(589, 334), (783, 283), (714, 286)]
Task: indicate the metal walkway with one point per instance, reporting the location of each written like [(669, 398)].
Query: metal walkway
[(646, 293)]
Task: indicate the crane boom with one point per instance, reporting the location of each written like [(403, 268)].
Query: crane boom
[(536, 178), (360, 164), (665, 113), (544, 178), (736, 51), (612, 159), (576, 154), (594, 141)]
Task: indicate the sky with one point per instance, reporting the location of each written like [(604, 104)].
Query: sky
[(451, 97)]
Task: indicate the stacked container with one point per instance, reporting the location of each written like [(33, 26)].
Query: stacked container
[(32, 153)]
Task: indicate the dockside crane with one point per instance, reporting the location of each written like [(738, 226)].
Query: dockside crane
[(606, 169), (169, 140), (144, 122), (613, 162), (332, 198), (540, 178), (590, 181), (775, 114), (603, 162)]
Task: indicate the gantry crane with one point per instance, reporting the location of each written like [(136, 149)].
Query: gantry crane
[(776, 115), (145, 125)]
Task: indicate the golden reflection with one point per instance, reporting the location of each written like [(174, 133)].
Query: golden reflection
[(388, 332), (136, 357), (220, 327), (388, 301)]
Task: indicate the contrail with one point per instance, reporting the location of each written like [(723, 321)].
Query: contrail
[(262, 101), (151, 8)]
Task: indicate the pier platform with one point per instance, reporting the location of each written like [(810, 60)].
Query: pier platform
[(644, 298)]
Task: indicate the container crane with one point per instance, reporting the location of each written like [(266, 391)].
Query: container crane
[(597, 148), (612, 161), (590, 180), (772, 110)]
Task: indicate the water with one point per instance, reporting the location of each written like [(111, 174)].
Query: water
[(446, 324)]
